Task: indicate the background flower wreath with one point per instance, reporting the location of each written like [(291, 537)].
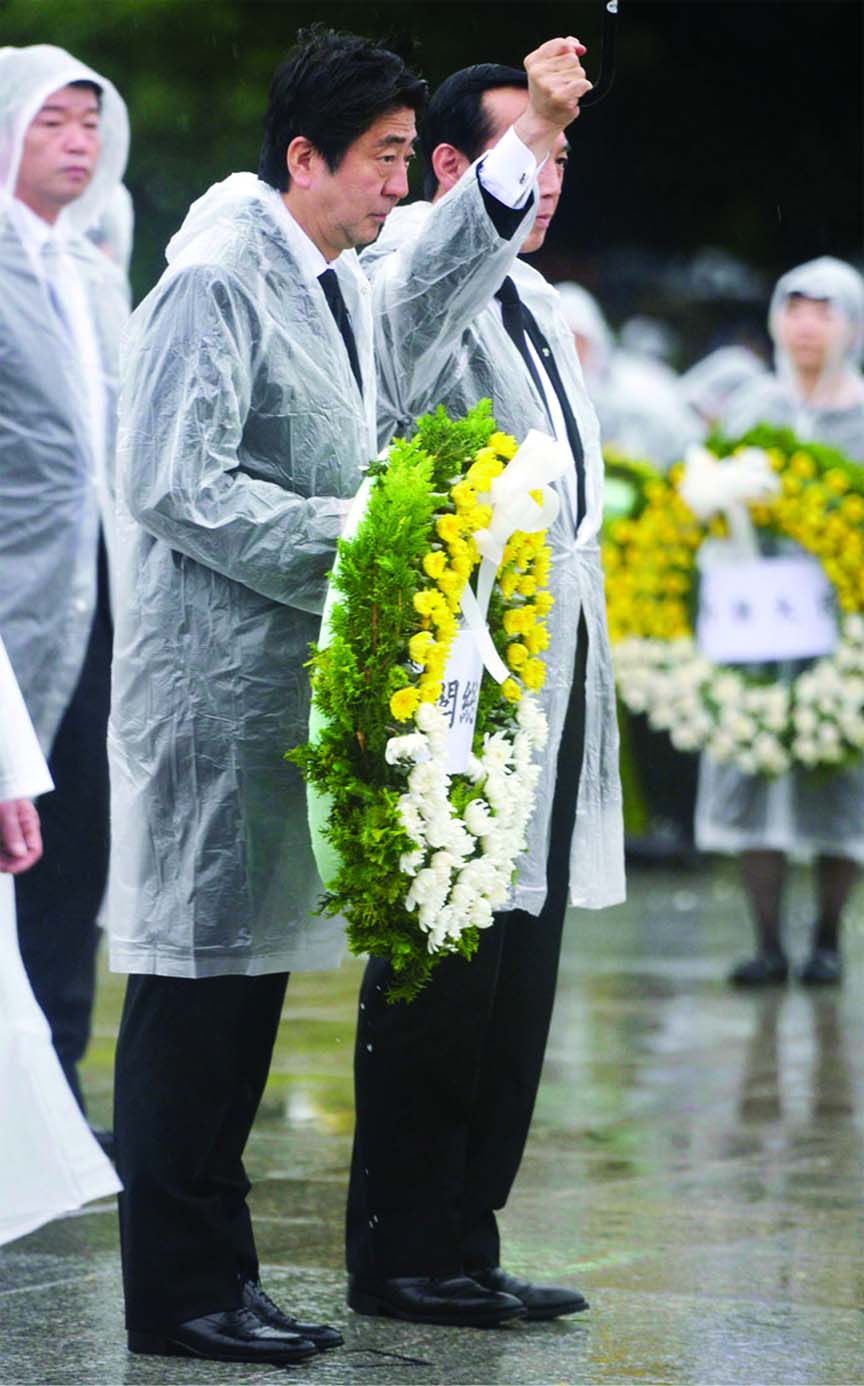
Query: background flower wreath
[(763, 725)]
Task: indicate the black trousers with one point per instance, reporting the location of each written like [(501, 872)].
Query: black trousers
[(192, 1060), (58, 900), (446, 1085)]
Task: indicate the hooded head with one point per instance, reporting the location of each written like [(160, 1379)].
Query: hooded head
[(28, 76), (589, 327), (816, 321)]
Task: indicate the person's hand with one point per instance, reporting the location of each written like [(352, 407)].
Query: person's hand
[(556, 85), (20, 838)]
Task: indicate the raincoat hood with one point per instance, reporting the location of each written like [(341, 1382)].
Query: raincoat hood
[(27, 77), (583, 316), (825, 278)]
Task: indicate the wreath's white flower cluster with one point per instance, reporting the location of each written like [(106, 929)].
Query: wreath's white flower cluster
[(763, 729), (462, 866)]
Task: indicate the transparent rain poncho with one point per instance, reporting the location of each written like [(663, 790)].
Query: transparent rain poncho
[(242, 434), (49, 1160), (833, 413), (54, 470), (466, 355), (637, 405), (803, 813)]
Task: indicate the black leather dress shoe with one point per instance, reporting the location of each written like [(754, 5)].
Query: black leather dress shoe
[(822, 969), (540, 1301), (764, 970), (453, 1299), (233, 1335), (321, 1334)]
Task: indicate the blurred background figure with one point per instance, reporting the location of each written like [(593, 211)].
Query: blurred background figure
[(114, 229), (49, 1161), (63, 145), (708, 386), (816, 321), (641, 415)]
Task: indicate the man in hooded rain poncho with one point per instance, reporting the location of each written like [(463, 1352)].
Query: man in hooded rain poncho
[(248, 410), (445, 1086), (64, 138), (816, 320)]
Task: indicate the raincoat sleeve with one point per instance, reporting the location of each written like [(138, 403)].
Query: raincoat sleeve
[(194, 378), (23, 772), (431, 288)]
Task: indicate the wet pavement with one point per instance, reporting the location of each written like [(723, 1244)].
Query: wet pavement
[(696, 1167)]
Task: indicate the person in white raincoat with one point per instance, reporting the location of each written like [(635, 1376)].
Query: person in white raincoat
[(816, 320), (64, 137), (247, 413), (638, 408), (445, 1086), (50, 1163)]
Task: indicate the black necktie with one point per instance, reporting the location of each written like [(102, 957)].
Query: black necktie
[(333, 294), (518, 319)]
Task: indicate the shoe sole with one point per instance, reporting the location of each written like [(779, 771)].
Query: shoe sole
[(375, 1308), (539, 1315), (149, 1344)]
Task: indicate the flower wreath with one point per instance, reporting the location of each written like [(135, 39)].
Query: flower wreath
[(760, 724), (414, 857)]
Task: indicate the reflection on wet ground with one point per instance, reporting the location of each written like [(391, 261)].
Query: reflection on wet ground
[(696, 1167)]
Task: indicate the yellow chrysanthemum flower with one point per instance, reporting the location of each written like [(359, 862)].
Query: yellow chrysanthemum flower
[(434, 563), (511, 691), (517, 655), (419, 646), (534, 674), (404, 703), (464, 495), (504, 445), (448, 527)]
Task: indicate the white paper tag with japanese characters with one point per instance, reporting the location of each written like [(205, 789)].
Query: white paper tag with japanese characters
[(764, 609), (458, 701)]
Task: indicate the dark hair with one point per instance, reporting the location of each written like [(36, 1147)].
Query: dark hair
[(330, 89), (90, 86), (456, 114)]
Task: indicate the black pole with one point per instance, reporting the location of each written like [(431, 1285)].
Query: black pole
[(607, 66)]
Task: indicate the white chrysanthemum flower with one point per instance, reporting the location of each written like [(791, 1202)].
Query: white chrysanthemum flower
[(414, 747), (478, 817), (410, 862), (409, 816)]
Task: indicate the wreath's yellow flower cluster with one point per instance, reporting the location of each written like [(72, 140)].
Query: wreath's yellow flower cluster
[(649, 566), (449, 565), (649, 560), (821, 514), (524, 574)]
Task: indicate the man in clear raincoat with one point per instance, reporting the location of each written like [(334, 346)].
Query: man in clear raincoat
[(64, 138), (816, 320), (248, 410), (445, 1086)]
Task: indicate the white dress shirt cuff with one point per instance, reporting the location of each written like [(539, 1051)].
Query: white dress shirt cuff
[(508, 170)]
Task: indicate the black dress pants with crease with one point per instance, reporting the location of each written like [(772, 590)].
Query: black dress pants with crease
[(446, 1085), (58, 901), (193, 1056)]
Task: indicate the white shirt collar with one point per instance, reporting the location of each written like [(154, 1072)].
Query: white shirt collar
[(312, 262)]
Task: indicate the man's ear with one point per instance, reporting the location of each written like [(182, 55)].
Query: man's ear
[(448, 165), (302, 160)]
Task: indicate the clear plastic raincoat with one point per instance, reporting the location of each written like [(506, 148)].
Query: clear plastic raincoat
[(804, 813), (242, 430), (455, 353), (52, 482), (49, 1160)]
